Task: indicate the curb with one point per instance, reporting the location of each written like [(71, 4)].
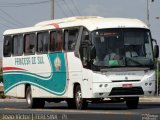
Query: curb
[(149, 99), (13, 100)]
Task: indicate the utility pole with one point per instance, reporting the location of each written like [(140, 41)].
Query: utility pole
[(52, 9), (148, 13), (157, 78), (148, 17)]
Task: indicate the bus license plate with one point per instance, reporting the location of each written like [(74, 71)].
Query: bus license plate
[(127, 85)]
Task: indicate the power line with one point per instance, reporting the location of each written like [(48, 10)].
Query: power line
[(9, 22), (64, 12), (23, 4), (17, 22), (76, 7), (68, 7), (5, 25)]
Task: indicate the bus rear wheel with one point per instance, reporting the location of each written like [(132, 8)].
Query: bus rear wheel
[(132, 103), (33, 102), (80, 102)]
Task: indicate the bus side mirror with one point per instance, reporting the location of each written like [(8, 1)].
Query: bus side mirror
[(156, 51), (93, 52)]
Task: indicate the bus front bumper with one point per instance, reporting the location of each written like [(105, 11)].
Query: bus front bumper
[(124, 89)]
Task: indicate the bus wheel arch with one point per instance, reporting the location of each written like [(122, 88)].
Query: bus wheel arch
[(74, 87), (26, 86), (80, 102), (29, 98), (33, 102), (71, 101)]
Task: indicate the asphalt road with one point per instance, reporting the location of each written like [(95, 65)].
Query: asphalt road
[(59, 111)]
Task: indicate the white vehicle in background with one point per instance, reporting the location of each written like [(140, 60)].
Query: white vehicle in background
[(80, 60)]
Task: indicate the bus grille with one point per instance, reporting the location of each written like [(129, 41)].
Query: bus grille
[(127, 91)]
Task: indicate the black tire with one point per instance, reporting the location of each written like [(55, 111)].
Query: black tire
[(71, 103), (33, 102), (132, 103), (80, 102)]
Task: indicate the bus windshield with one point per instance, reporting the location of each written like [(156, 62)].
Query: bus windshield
[(122, 47)]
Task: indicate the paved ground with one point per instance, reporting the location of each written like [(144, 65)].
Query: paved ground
[(149, 109), (142, 99)]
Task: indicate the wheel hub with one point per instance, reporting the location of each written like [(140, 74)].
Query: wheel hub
[(29, 99), (79, 98)]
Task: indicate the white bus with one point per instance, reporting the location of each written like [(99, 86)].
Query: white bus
[(80, 60)]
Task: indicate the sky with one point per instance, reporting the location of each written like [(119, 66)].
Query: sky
[(26, 13)]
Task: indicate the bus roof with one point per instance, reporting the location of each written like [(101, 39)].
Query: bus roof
[(90, 22)]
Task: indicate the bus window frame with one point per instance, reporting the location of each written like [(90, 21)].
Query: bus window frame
[(22, 44), (9, 54), (62, 36), (64, 41), (35, 42), (85, 45), (53, 31), (39, 32)]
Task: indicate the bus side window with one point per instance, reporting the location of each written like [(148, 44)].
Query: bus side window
[(84, 48), (30, 43), (17, 45), (56, 41), (59, 41), (42, 42), (7, 48), (52, 41), (70, 39)]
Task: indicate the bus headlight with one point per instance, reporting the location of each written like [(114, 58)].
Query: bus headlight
[(146, 84), (105, 85), (100, 85), (150, 84)]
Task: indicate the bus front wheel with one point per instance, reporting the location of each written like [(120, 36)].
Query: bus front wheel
[(80, 102), (71, 103), (33, 102)]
